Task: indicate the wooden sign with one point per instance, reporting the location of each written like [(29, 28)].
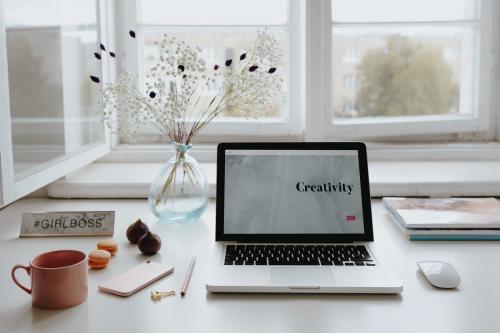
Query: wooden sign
[(93, 223)]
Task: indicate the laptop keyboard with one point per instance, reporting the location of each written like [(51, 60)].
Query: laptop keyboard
[(316, 255)]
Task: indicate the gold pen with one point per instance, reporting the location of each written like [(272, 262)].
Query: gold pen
[(188, 277)]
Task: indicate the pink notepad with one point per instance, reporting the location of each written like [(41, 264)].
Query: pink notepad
[(136, 278)]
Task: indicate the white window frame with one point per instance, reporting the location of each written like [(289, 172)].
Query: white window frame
[(319, 33), (311, 116), (14, 186), (287, 127), (315, 31), (310, 24)]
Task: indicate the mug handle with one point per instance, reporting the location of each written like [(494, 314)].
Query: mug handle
[(13, 275)]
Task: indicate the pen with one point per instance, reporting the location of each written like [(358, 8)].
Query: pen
[(188, 277)]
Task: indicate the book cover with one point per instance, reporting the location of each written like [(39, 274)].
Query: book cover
[(454, 237), (445, 213), (425, 234)]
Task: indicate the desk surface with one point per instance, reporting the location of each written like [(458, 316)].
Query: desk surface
[(474, 307)]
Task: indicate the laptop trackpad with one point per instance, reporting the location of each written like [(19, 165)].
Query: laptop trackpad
[(302, 276)]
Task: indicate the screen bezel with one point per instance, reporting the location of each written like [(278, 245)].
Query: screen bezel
[(367, 236)]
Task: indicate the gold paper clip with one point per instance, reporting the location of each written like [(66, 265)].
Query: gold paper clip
[(157, 295)]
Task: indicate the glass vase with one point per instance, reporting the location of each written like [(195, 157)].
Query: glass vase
[(179, 192)]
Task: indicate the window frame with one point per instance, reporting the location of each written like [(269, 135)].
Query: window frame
[(316, 90), (286, 127), (368, 128), (14, 186), (310, 36), (313, 94)]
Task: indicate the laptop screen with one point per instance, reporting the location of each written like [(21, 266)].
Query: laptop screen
[(293, 192)]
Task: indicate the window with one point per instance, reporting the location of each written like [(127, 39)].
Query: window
[(422, 67), (351, 55), (388, 70), (418, 69), (52, 127), (350, 81), (223, 29)]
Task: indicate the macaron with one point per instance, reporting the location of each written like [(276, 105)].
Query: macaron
[(108, 245), (99, 259)]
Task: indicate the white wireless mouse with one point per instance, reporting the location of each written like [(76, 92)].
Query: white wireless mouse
[(439, 273)]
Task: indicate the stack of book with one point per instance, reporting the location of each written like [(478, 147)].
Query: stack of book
[(446, 218)]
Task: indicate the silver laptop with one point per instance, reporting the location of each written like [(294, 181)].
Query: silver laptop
[(295, 218)]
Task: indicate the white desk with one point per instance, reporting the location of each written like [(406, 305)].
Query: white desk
[(475, 307)]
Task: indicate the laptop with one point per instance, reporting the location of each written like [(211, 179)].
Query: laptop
[(295, 218)]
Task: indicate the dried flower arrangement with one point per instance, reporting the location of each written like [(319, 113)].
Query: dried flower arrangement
[(182, 94), (172, 98)]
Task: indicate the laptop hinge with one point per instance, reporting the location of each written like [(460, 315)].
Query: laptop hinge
[(309, 243)]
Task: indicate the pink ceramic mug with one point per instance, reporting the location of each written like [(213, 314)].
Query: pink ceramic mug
[(58, 279)]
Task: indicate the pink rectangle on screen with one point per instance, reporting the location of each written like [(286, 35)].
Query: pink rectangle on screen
[(350, 218)]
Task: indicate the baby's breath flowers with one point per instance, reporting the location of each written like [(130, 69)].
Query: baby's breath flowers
[(182, 94)]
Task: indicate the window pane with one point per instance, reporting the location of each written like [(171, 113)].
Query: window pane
[(52, 101), (217, 46), (403, 71), (213, 12), (402, 10), (48, 12)]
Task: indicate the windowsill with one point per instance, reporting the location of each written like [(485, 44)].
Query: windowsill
[(377, 151), (387, 178)]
